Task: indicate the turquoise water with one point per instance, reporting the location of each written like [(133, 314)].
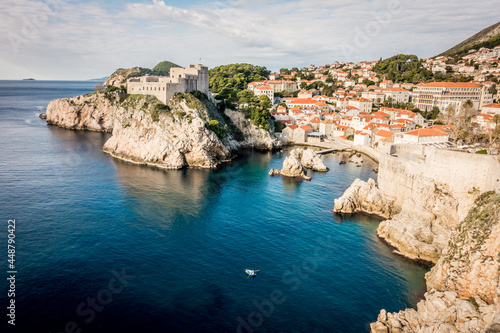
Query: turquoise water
[(182, 238)]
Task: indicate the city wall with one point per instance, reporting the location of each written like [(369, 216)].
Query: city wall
[(464, 175)]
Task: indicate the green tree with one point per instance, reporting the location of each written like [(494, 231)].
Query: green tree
[(245, 96)]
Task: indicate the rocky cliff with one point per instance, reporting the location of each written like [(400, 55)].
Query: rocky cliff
[(93, 112), (171, 137), (365, 197), (119, 77), (253, 137), (190, 131), (438, 219), (463, 287)]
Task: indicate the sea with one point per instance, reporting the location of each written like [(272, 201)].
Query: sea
[(101, 245)]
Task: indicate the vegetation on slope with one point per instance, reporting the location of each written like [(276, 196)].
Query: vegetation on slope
[(163, 68), (403, 68), (489, 37), (230, 83), (228, 80)]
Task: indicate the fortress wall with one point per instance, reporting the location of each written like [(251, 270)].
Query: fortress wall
[(408, 149), (465, 175), (464, 171)]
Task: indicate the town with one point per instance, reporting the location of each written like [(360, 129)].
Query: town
[(351, 103)]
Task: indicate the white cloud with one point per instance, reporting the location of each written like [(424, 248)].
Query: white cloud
[(85, 39)]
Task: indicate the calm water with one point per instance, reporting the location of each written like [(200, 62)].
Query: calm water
[(182, 238)]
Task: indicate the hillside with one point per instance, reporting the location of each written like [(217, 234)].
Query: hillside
[(120, 76), (163, 68), (489, 37)]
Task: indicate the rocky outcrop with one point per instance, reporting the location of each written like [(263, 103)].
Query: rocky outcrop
[(422, 228), (365, 197), (253, 137), (93, 112), (463, 287), (119, 77), (147, 132), (293, 168), (296, 163), (311, 160)]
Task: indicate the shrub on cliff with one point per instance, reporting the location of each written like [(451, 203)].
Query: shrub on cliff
[(215, 127)]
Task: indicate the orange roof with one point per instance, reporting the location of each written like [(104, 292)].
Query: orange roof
[(384, 133), (306, 128), (449, 85), (426, 132), (444, 128), (301, 101), (492, 105), (293, 127)]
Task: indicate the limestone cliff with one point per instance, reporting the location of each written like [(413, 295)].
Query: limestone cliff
[(148, 132), (93, 112), (364, 197), (253, 137), (463, 288)]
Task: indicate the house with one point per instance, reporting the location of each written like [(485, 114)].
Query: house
[(386, 84), (326, 128), (265, 90), (397, 95), (362, 104), (300, 134), (362, 139), (382, 135), (493, 108), (485, 121), (287, 132)]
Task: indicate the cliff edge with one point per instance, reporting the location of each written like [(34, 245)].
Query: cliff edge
[(463, 288)]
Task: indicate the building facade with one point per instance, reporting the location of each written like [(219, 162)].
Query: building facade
[(442, 94), (181, 80)]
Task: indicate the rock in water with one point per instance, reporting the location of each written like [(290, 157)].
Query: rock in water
[(364, 197), (293, 168), (311, 160)]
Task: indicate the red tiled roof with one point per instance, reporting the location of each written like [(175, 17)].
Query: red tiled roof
[(492, 105), (384, 133), (449, 85), (426, 132)]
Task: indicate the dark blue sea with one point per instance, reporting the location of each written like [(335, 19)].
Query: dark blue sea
[(106, 246)]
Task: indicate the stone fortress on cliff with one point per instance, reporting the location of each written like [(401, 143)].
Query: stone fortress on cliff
[(181, 80)]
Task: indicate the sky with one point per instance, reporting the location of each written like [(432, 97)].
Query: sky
[(80, 40)]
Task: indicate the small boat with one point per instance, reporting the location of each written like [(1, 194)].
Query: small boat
[(251, 272)]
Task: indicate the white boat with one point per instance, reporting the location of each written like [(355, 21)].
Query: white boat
[(251, 272)]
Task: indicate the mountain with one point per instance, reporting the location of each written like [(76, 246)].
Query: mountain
[(489, 37), (163, 68), (120, 76)]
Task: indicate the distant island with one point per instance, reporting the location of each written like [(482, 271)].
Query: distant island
[(30, 79), (102, 79)]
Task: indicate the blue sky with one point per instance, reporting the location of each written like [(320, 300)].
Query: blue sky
[(69, 39)]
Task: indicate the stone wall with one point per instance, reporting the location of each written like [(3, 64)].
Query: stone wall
[(465, 175)]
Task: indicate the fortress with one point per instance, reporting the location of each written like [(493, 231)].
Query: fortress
[(181, 80)]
